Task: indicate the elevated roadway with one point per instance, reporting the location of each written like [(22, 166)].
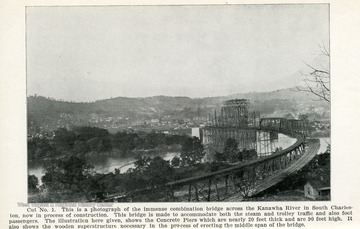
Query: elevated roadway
[(311, 149), (246, 179)]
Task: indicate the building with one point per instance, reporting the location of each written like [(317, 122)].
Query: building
[(317, 189)]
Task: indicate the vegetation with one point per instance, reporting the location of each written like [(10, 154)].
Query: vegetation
[(70, 174), (318, 168), (247, 187), (232, 154), (72, 179), (175, 161), (68, 177), (231, 151), (33, 184), (192, 152), (157, 173), (81, 141), (317, 78), (47, 114)]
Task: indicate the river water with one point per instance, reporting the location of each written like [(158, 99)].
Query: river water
[(324, 142), (107, 164), (102, 164)]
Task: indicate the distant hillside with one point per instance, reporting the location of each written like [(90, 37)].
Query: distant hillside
[(49, 114), (288, 94)]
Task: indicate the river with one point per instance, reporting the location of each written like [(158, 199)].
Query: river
[(107, 164), (102, 164)]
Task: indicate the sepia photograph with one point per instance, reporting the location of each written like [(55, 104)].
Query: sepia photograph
[(178, 103)]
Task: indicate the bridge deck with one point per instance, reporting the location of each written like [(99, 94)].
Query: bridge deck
[(312, 148)]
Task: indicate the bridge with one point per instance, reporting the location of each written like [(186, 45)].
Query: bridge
[(311, 150), (251, 177), (247, 178)]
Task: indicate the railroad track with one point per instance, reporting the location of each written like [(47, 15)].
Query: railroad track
[(313, 146)]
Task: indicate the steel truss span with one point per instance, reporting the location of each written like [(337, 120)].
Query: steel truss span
[(249, 130), (247, 178)]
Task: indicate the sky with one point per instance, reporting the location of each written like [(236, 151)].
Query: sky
[(91, 53)]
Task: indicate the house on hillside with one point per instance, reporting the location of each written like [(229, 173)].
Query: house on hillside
[(317, 189)]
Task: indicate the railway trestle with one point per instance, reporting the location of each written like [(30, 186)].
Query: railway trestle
[(244, 178)]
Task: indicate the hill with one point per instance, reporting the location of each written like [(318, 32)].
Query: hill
[(46, 114)]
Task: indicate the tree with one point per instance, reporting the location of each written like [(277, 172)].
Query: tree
[(64, 139), (133, 180), (175, 161), (292, 181), (33, 183), (317, 78), (125, 141), (105, 145), (93, 143), (87, 132), (247, 187), (81, 147), (149, 173), (192, 151), (158, 172), (141, 163), (219, 157), (67, 174), (231, 151), (247, 184), (100, 144), (39, 148), (151, 140), (248, 154)]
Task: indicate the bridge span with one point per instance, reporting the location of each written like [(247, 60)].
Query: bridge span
[(311, 149), (245, 179)]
